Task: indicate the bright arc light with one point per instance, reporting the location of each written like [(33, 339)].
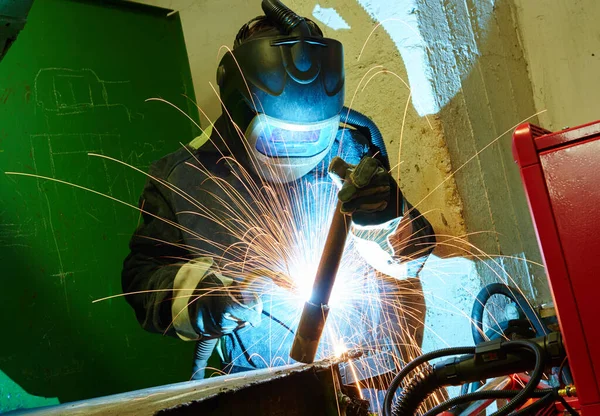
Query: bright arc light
[(303, 276), (339, 348)]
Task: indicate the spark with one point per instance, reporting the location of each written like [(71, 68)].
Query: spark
[(279, 231)]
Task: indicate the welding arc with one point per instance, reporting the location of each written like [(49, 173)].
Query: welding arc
[(314, 314)]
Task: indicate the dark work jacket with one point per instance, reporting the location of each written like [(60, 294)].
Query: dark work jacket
[(176, 229)]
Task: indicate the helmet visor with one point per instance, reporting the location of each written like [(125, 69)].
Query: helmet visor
[(278, 138)]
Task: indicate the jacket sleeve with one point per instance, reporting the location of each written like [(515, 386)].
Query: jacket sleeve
[(155, 258)]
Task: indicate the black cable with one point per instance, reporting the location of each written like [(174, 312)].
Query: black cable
[(533, 380), (389, 395), (567, 406), (482, 395), (564, 372), (290, 330), (562, 367)]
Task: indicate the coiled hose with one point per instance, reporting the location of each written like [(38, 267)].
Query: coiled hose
[(204, 350), (279, 13), (421, 385), (419, 391), (359, 120), (391, 392)]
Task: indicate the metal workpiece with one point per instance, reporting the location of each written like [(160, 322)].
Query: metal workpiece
[(298, 389), (371, 368), (314, 314)]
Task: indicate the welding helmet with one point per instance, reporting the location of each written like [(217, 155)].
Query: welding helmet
[(283, 89)]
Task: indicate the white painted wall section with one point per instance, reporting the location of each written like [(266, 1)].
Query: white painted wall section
[(329, 17), (561, 39)]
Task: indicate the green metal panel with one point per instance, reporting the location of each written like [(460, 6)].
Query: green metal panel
[(75, 82)]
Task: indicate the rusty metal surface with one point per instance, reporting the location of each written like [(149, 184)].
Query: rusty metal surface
[(300, 389), (315, 392)]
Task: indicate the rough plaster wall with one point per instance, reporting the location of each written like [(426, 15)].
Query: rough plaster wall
[(494, 95), (562, 44)]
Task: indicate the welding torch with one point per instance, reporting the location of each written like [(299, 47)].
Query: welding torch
[(316, 309)]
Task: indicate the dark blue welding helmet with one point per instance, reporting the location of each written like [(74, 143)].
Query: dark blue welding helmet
[(283, 87)]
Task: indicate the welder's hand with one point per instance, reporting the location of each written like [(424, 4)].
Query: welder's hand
[(225, 306), (367, 191)]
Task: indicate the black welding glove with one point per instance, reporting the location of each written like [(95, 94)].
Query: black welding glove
[(368, 192), (224, 305)]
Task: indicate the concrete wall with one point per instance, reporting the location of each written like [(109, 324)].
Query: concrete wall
[(562, 46), (494, 96)]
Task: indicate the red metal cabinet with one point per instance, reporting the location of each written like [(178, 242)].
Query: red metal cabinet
[(561, 175)]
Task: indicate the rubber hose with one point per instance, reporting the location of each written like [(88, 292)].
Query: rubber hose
[(356, 119), (500, 289), (533, 381), (204, 350), (282, 15), (420, 387), (491, 333), (389, 395), (482, 395)]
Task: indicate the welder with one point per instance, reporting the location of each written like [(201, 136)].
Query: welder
[(288, 108)]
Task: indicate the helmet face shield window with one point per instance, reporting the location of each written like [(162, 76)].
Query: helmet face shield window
[(279, 139)]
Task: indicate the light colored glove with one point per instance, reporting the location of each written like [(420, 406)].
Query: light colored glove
[(367, 191)]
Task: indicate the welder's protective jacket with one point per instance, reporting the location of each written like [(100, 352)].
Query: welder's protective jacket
[(175, 245)]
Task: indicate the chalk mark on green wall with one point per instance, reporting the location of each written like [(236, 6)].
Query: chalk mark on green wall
[(65, 91)]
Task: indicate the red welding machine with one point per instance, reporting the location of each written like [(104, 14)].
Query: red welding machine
[(561, 175)]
